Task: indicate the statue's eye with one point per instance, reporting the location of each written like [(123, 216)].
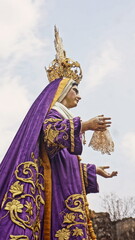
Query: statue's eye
[(76, 90)]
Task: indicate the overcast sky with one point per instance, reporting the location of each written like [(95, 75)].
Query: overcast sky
[(100, 34)]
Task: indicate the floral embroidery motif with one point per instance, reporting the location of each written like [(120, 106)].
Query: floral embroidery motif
[(16, 188), (19, 204), (69, 218), (77, 232), (29, 207), (15, 205), (63, 234), (74, 222)]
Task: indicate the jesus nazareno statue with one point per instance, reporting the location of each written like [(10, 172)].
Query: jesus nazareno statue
[(43, 182)]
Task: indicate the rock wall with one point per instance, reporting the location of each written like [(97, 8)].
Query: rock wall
[(125, 229), (105, 229)]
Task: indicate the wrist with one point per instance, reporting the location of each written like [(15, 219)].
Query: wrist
[(97, 170), (84, 126)]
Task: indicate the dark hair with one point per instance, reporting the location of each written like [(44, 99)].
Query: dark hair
[(74, 84)]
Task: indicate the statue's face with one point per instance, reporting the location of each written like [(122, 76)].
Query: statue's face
[(72, 98)]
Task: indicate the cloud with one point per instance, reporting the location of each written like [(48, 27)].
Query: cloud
[(20, 40), (128, 146), (18, 20), (107, 62), (14, 104), (18, 23)]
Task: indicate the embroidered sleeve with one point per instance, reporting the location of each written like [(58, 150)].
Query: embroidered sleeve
[(90, 178), (59, 133)]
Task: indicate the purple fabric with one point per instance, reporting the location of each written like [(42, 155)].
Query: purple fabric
[(64, 129), (92, 179), (66, 178), (24, 143), (22, 177)]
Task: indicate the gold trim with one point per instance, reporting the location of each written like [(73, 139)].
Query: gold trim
[(85, 175), (90, 229), (72, 135), (47, 171), (59, 91), (48, 193)]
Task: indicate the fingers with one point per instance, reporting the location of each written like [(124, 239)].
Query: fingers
[(99, 123), (102, 127), (105, 167), (102, 117), (103, 123), (114, 173)]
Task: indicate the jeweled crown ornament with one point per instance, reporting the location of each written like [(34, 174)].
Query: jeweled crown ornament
[(62, 66)]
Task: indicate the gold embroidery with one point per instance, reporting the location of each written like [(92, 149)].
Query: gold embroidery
[(19, 204), (76, 205), (72, 135), (18, 237), (77, 201), (69, 217), (90, 230), (54, 120), (63, 234), (51, 133), (16, 188), (15, 207), (29, 207), (77, 232), (4, 200)]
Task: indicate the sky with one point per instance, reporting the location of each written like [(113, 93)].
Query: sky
[(100, 35)]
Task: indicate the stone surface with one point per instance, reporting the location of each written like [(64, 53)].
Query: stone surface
[(105, 229)]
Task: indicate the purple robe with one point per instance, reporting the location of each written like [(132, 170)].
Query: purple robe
[(63, 143), (22, 182), (22, 197)]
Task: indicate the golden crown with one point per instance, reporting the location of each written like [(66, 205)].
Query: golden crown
[(62, 66)]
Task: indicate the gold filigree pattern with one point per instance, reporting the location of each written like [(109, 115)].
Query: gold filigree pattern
[(20, 204), (77, 232), (29, 208), (77, 203), (53, 120), (16, 188), (69, 218), (74, 221), (18, 237), (51, 133), (63, 234)]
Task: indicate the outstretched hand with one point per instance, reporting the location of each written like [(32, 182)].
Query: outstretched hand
[(99, 123), (101, 171)]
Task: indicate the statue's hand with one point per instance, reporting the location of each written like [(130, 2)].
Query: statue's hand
[(101, 171), (99, 123)]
